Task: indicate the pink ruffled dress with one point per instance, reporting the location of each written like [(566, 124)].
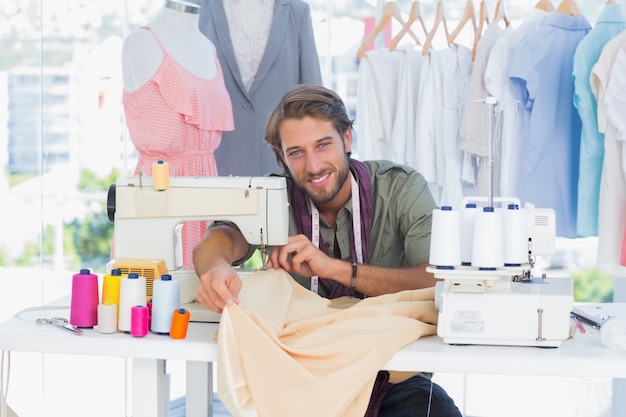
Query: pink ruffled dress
[(179, 117)]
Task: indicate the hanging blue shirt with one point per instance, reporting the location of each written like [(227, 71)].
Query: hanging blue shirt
[(610, 23), (542, 69)]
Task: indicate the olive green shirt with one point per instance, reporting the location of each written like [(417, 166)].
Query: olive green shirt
[(401, 220)]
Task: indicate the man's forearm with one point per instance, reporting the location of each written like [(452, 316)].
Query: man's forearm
[(220, 244), (376, 280)]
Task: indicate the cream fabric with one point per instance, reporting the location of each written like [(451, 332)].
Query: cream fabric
[(285, 351)]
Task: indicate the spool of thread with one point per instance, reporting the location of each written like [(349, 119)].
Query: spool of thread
[(132, 293), (139, 321), (161, 175), (180, 323), (85, 299), (515, 236), (445, 238), (149, 305), (487, 248), (107, 318), (468, 214), (613, 333), (165, 299), (111, 290)]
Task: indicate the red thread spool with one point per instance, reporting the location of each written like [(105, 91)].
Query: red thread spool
[(180, 322), (149, 305), (139, 321)]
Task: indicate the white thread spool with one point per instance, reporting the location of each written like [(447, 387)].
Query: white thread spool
[(165, 300), (132, 293), (445, 238), (107, 318), (613, 333), (515, 236), (468, 214), (487, 250)]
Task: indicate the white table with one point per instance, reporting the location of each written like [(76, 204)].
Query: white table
[(149, 354), (584, 355)]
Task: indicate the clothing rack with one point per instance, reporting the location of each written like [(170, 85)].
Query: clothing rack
[(479, 21)]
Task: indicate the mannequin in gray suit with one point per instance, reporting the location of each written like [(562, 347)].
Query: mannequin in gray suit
[(289, 58)]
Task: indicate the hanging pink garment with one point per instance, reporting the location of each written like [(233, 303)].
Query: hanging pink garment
[(179, 117)]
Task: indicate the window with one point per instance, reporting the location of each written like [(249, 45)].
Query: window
[(62, 125)]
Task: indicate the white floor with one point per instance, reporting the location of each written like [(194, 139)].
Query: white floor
[(54, 385)]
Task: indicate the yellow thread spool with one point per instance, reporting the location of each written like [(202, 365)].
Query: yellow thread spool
[(161, 175), (111, 289)]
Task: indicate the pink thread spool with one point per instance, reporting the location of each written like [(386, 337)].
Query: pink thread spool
[(85, 299), (139, 321)]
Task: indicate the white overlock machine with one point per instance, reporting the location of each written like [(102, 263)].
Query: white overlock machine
[(488, 294)]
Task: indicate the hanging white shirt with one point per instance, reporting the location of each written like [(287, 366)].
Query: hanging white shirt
[(377, 87), (406, 104), (612, 202), (457, 71), (427, 154), (474, 134)]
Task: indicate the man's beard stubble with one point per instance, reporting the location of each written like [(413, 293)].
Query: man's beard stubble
[(327, 196)]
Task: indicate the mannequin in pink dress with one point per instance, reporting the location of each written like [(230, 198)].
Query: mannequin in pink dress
[(175, 101)]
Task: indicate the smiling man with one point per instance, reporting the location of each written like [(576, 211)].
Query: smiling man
[(356, 229)]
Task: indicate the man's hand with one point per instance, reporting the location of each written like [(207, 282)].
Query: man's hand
[(212, 257), (218, 287), (302, 257)]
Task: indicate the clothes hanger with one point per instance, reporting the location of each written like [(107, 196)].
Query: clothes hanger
[(501, 13), (390, 11), (545, 5), (468, 15), (568, 7), (440, 18), (483, 18), (415, 15)]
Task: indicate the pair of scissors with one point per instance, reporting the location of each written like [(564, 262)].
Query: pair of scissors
[(61, 323)]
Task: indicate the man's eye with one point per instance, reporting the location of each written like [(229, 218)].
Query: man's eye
[(294, 153)]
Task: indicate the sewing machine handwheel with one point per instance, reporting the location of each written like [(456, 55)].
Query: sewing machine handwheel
[(111, 203)]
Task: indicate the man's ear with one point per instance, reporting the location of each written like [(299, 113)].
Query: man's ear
[(347, 140)]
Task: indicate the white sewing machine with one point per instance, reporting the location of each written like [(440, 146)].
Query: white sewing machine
[(506, 306), (146, 221)]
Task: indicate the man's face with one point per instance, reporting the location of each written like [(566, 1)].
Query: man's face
[(316, 155)]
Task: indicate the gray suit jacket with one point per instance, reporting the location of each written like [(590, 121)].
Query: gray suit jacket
[(290, 58)]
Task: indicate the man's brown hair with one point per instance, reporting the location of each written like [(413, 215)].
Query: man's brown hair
[(301, 101)]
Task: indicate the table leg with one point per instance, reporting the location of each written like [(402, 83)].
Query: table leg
[(199, 382), (150, 391)]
